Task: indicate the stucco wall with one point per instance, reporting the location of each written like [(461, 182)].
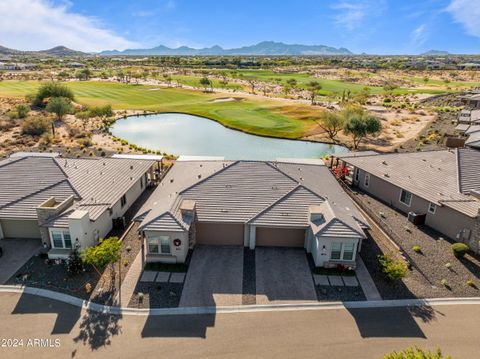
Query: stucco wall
[(445, 220), (321, 256), (178, 254)]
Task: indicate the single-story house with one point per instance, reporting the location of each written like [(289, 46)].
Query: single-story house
[(67, 203), (251, 203), (443, 186)]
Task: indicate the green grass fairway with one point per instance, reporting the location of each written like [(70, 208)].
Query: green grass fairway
[(261, 117), (332, 87)]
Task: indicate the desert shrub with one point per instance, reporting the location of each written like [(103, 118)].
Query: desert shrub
[(12, 115), (392, 268), (74, 263), (22, 110), (459, 249), (35, 126), (51, 89), (417, 249), (471, 283), (416, 353), (100, 111), (85, 142)]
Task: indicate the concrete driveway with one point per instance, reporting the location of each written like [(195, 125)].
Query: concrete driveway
[(16, 252), (214, 277), (283, 276)]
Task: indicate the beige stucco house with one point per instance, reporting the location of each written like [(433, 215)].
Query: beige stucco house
[(251, 203), (67, 203), (444, 186)]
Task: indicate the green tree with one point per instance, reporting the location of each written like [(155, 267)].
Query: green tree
[(51, 89), (360, 125), (84, 74), (60, 106), (106, 253), (205, 82), (313, 87), (331, 123), (416, 353)]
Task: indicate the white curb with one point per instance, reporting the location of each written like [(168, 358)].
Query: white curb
[(65, 298)]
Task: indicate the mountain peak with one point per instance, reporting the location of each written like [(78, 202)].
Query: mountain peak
[(263, 48)]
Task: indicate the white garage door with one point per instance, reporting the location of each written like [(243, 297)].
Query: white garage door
[(20, 229)]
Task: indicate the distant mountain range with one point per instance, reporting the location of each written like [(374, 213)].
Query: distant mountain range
[(436, 53), (269, 48), (55, 51)]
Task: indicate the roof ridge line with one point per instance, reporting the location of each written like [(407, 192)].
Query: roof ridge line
[(55, 160), (33, 193), (168, 212), (12, 160), (335, 218), (208, 177), (274, 202)]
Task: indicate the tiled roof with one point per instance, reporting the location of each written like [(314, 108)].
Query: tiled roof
[(468, 170), (430, 175), (265, 193), (96, 184)]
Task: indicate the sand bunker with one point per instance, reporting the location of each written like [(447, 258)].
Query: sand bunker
[(226, 99)]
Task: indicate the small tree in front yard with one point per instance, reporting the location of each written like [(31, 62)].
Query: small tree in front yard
[(74, 263), (392, 268), (106, 253)]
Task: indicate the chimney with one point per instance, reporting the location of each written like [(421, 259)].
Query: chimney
[(187, 208), (316, 214)]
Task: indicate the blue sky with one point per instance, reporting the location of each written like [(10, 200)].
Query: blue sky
[(371, 26)]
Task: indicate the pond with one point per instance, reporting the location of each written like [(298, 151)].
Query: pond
[(184, 134)]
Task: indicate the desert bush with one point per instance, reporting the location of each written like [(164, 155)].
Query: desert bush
[(392, 268), (417, 249), (22, 110), (51, 89), (459, 249), (85, 142), (471, 283), (35, 126)]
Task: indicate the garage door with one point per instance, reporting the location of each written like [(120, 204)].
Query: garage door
[(280, 237), (219, 234), (20, 229)]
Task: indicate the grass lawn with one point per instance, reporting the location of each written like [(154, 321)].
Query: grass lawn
[(262, 117), (330, 87)]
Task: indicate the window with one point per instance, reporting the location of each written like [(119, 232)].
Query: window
[(159, 245), (367, 179), (141, 182), (153, 246), (61, 239), (357, 174), (406, 197), (342, 251), (432, 208), (123, 200), (336, 250), (165, 244), (348, 251)]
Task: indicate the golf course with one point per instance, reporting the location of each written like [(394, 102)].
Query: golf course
[(256, 116)]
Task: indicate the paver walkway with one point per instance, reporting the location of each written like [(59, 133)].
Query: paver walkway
[(16, 252), (130, 281), (366, 282)]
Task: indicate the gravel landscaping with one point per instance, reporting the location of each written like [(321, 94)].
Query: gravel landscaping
[(156, 295), (435, 272), (344, 294), (39, 272)]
